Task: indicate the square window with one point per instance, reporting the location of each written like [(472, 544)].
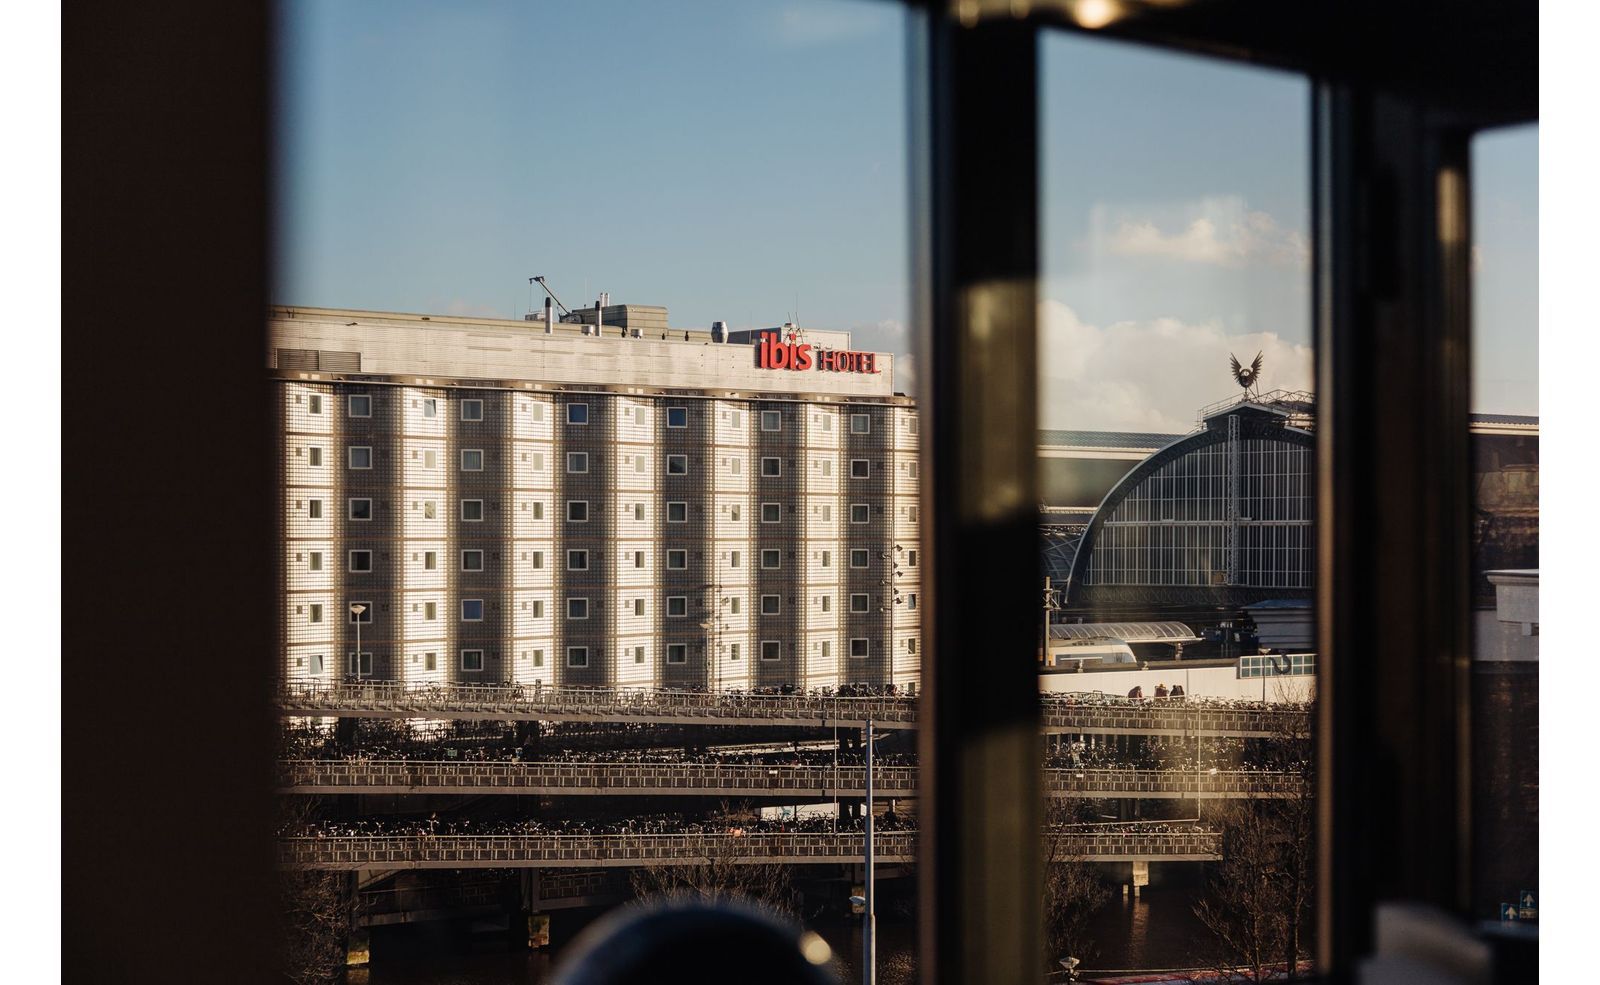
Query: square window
[(472, 610), (360, 561), (430, 408), (430, 611), (316, 612), (577, 656), (911, 645), (771, 513), (538, 461), (771, 420), (735, 511), (771, 559), (733, 605), (538, 655), (360, 509), (577, 608), (638, 511), (537, 560), (430, 560), (677, 464), (771, 605), (430, 510), (677, 512), (472, 459), (677, 560), (538, 608), (860, 513), (677, 417), (911, 559), (827, 559), (472, 410), (638, 607), (314, 403), (733, 651), (314, 561), (360, 457), (360, 405), (827, 648), (771, 650), (737, 465), (577, 461), (677, 605), (639, 463), (858, 557), (577, 413), (361, 664), (860, 468), (471, 659), (911, 602), (677, 653), (314, 456), (577, 560), (771, 467), (471, 560), (733, 559), (472, 510), (827, 603), (638, 654), (430, 661), (359, 612), (860, 424), (578, 510), (430, 459), (314, 509), (860, 602), (538, 510), (638, 559), (858, 648)]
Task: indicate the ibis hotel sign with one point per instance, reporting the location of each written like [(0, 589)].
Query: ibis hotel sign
[(775, 353)]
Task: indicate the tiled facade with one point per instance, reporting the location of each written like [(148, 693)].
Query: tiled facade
[(538, 530)]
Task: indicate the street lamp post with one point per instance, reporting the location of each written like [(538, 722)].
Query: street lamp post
[(356, 609), (869, 945)]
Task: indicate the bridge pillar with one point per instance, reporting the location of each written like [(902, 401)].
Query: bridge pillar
[(1138, 878), (531, 927), (358, 943)]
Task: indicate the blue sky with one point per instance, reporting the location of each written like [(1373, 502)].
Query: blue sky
[(739, 160)]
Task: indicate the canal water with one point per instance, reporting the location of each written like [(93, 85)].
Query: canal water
[(1156, 931)]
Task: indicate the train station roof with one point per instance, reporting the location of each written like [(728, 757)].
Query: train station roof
[(1128, 632)]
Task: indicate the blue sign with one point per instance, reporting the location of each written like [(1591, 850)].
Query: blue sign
[(1508, 911)]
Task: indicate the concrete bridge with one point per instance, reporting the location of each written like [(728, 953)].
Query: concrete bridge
[(555, 851), (715, 779), (472, 702)]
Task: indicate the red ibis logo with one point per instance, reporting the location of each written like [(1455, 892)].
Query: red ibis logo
[(777, 353)]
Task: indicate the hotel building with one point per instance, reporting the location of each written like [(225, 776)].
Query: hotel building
[(598, 500)]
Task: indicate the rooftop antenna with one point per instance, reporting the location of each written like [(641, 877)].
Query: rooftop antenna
[(539, 279)]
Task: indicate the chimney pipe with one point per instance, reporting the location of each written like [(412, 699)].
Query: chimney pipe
[(549, 317), (599, 315)]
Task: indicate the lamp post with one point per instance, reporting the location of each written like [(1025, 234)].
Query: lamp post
[(356, 609), (869, 946)]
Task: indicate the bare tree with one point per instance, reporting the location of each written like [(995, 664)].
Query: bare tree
[(318, 910), (723, 870), (1073, 889), (1258, 900)]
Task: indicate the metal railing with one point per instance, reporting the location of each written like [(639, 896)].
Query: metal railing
[(1066, 713), (714, 779), (606, 851)]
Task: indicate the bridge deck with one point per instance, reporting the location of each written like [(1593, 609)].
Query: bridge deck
[(664, 707), (702, 779), (606, 851)]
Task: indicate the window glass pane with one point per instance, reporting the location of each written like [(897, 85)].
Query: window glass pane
[(1175, 448), (1505, 522), (738, 168)]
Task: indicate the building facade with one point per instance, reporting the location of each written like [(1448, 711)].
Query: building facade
[(492, 501)]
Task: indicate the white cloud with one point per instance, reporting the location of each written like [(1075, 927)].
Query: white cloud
[(1218, 231), (831, 22), (1149, 375)]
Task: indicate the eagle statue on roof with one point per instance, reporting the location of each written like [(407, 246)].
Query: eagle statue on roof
[(1246, 378)]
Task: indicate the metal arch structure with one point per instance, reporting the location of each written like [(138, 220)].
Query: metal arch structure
[(1217, 432)]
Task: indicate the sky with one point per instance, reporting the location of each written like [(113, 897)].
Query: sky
[(746, 161)]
